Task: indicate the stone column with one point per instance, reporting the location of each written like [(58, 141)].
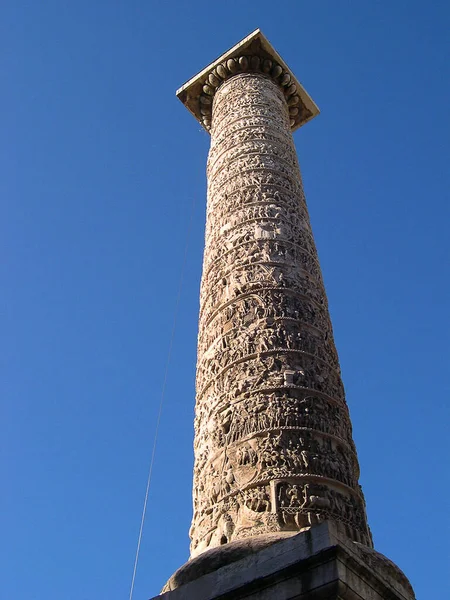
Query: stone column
[(274, 454), (273, 447)]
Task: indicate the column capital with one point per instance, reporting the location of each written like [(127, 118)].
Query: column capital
[(253, 54)]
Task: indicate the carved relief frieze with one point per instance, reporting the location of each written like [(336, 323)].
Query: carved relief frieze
[(273, 440)]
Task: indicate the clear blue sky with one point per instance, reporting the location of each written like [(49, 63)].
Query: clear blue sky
[(100, 164)]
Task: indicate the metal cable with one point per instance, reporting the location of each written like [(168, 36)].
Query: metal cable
[(158, 420)]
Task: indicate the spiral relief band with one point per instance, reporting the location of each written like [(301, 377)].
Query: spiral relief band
[(273, 444)]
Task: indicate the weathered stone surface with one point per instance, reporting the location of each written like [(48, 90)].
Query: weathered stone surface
[(273, 445), (318, 564)]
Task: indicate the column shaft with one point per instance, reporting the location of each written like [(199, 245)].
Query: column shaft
[(273, 444)]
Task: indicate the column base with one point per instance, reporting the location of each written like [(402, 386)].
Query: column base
[(318, 564)]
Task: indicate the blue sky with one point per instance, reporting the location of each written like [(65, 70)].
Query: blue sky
[(101, 165)]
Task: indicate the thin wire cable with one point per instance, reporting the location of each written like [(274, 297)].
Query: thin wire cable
[(163, 389)]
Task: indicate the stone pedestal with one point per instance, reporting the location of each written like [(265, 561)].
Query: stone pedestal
[(318, 564)]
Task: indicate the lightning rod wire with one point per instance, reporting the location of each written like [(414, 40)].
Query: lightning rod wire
[(163, 389)]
